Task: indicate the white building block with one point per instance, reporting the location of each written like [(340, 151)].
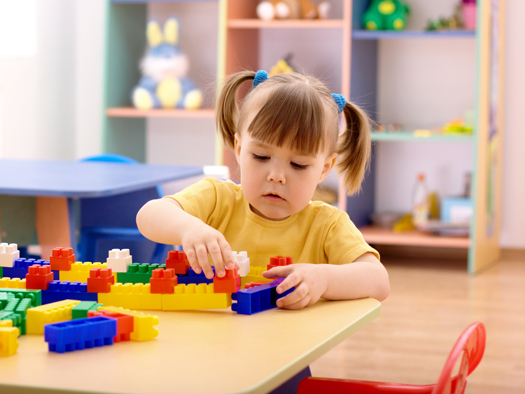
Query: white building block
[(119, 260), (8, 254), (243, 261)]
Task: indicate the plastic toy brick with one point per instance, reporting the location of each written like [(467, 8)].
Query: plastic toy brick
[(8, 254), (143, 324), (6, 323), (38, 277), (80, 334), (8, 340), (100, 280), (229, 283), (4, 297), (192, 277), (12, 319), (119, 260), (50, 313), (192, 296), (124, 323), (82, 309), (178, 261), (132, 296), (1, 272), (279, 261), (13, 283), (138, 273), (243, 261), (34, 295), (21, 268), (255, 275), (79, 271), (163, 281), (61, 259), (258, 299), (59, 291)]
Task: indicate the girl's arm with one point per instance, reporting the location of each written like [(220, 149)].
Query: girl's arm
[(365, 277), (165, 221)]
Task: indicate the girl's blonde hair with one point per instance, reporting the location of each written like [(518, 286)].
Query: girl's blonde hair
[(297, 111)]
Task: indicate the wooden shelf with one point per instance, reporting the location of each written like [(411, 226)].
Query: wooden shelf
[(379, 35), (413, 136), (382, 236), (285, 24), (130, 112)]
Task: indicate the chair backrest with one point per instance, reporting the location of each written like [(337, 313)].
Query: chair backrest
[(470, 346)]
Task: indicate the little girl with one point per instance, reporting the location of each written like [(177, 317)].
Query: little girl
[(286, 141)]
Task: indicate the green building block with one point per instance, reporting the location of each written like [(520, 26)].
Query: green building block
[(80, 311), (34, 295), (138, 273), (1, 272), (4, 297)]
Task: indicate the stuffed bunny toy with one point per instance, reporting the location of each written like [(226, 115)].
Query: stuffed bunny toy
[(164, 83), (292, 9)]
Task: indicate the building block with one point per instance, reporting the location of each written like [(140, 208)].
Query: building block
[(6, 323), (82, 309), (8, 254), (61, 259), (255, 275), (192, 277), (55, 312), (100, 280), (243, 261), (8, 340), (192, 296), (178, 261), (163, 281), (12, 319), (143, 324), (21, 268), (258, 298), (80, 334), (119, 260), (124, 323), (79, 271), (1, 272), (15, 310), (34, 295), (138, 273), (13, 283), (59, 291), (229, 283), (279, 261), (132, 296), (38, 277)]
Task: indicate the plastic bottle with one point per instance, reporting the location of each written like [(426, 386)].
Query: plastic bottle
[(420, 203)]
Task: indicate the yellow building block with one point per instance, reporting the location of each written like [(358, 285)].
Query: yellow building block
[(80, 271), (12, 283), (192, 296), (6, 323), (8, 340), (131, 296), (255, 275), (48, 313), (143, 324)]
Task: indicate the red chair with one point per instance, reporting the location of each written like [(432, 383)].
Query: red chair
[(470, 347)]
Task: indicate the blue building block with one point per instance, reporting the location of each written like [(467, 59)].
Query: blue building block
[(59, 291), (21, 267), (192, 277), (80, 334), (258, 299)]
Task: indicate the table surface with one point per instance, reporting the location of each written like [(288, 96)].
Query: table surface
[(84, 179), (195, 352)]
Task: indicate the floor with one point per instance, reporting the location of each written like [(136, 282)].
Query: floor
[(430, 304)]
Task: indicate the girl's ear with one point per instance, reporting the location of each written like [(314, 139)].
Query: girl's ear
[(153, 33), (171, 31), (237, 148), (328, 165)]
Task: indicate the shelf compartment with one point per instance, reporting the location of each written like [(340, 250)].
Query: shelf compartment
[(411, 136), (285, 24), (379, 35), (382, 236), (130, 112)]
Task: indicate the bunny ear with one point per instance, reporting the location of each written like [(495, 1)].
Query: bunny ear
[(171, 31), (153, 33)]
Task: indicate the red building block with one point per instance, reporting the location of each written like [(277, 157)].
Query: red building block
[(163, 281), (229, 283), (61, 259), (100, 280), (124, 324), (38, 277), (178, 261), (279, 261), (255, 284)]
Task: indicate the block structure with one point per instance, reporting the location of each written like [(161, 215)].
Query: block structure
[(61, 259), (192, 296), (258, 298), (82, 309), (21, 267), (8, 254), (59, 291), (243, 261), (8, 341), (255, 275), (12, 283), (279, 261), (163, 281), (143, 324), (138, 273), (79, 271), (178, 261), (119, 260), (38, 277), (229, 283), (124, 324), (35, 296), (132, 296), (100, 280), (41, 315), (192, 277), (80, 334)]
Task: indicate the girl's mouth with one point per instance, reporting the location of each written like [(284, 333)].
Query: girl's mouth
[(273, 197)]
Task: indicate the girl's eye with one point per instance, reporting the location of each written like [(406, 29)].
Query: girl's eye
[(298, 166), (259, 157)]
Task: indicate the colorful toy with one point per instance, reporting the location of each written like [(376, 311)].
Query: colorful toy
[(132, 296), (192, 297), (8, 254), (163, 281), (282, 66), (386, 15), (12, 283), (82, 309), (41, 315), (60, 291), (79, 271), (164, 82), (100, 280), (143, 324), (38, 277), (178, 261), (138, 273), (8, 340), (258, 298), (124, 324), (61, 259), (229, 283), (119, 260), (292, 9)]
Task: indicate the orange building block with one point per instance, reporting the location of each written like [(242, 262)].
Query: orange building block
[(163, 281), (279, 261), (178, 261), (38, 277), (229, 283), (100, 280), (124, 323), (61, 259)]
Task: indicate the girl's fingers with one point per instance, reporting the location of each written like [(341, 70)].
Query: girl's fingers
[(292, 280), (192, 259), (202, 258), (278, 272), (227, 254), (216, 257), (295, 300)]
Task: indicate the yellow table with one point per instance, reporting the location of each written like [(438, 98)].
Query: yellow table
[(195, 352)]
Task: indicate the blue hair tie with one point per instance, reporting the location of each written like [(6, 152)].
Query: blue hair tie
[(260, 76), (340, 101)]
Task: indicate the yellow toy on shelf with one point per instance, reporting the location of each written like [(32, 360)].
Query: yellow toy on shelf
[(292, 9)]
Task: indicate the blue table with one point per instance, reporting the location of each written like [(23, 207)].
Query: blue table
[(70, 180)]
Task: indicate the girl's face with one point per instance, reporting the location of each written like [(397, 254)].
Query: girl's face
[(277, 181)]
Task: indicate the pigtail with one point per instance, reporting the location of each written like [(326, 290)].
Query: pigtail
[(354, 147), (227, 111)]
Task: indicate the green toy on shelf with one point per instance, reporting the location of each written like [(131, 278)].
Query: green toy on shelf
[(386, 15)]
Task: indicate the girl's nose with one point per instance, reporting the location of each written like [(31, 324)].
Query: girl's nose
[(276, 175)]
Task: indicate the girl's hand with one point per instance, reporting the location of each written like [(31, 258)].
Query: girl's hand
[(200, 240), (309, 280)]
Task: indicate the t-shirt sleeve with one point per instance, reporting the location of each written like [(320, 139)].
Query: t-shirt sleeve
[(199, 199), (344, 242)]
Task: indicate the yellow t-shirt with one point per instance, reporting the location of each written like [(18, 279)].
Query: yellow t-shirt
[(319, 234)]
